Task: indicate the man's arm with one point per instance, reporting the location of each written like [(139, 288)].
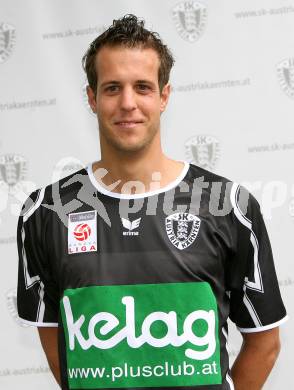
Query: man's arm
[(256, 359), (49, 341)]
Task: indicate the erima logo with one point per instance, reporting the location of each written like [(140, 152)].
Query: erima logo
[(107, 322), (130, 226)]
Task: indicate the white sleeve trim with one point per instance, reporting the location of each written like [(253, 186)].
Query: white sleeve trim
[(263, 328), (41, 324), (36, 205)]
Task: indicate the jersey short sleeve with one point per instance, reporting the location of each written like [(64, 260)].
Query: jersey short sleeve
[(255, 299), (37, 293)]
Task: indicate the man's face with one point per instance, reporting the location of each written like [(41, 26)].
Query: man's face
[(128, 102)]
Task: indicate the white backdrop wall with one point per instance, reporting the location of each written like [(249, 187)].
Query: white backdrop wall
[(231, 111)]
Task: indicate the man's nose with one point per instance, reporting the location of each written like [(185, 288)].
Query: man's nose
[(128, 99)]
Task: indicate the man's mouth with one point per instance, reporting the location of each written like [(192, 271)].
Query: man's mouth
[(128, 124)]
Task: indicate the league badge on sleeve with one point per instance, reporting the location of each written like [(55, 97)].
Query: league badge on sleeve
[(182, 229), (82, 232)]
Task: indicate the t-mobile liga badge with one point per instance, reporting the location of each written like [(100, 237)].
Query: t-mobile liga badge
[(82, 232)]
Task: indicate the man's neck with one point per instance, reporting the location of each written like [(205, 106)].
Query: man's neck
[(148, 174)]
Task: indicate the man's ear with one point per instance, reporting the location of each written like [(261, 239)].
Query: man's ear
[(91, 98), (164, 97)]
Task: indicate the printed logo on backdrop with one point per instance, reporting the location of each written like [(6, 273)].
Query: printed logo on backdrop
[(7, 41), (85, 98), (13, 170), (13, 186), (65, 167), (190, 19), (203, 150), (12, 306), (285, 70), (291, 208), (182, 229)]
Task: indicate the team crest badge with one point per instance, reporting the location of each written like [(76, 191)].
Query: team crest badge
[(285, 70), (190, 19), (203, 150), (7, 41), (82, 232), (13, 169), (182, 229)]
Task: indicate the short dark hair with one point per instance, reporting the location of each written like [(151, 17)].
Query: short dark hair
[(128, 31)]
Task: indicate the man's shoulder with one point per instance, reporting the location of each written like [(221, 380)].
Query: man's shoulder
[(221, 191), (61, 191), (68, 185), (196, 172)]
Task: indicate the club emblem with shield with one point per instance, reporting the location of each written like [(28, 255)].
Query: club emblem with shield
[(182, 229), (190, 19), (203, 150)]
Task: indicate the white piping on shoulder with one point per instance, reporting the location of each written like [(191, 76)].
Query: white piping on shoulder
[(256, 284), (36, 205), (31, 280)]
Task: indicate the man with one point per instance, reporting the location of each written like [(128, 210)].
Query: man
[(132, 276)]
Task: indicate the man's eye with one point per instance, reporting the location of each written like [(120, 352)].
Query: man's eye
[(143, 87), (112, 88)]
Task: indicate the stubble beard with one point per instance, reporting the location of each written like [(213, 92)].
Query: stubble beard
[(122, 146)]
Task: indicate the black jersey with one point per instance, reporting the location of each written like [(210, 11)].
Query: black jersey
[(141, 286)]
